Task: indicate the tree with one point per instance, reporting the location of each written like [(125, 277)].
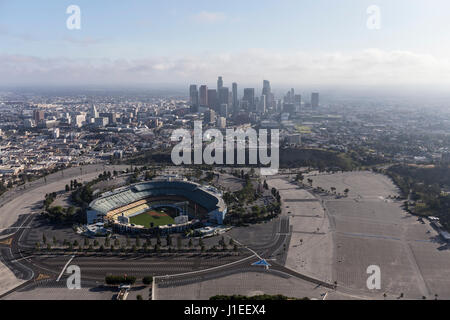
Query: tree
[(44, 239), (158, 238), (138, 242), (139, 297), (147, 280)]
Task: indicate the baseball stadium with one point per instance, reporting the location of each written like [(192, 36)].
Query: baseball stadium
[(170, 205)]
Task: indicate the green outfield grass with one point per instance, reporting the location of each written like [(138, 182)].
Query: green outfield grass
[(158, 219)]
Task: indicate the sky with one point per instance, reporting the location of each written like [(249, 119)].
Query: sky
[(303, 43)]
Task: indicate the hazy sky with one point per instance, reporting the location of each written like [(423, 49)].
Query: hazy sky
[(290, 42)]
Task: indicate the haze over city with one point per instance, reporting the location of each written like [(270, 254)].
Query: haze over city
[(255, 151), (314, 44)]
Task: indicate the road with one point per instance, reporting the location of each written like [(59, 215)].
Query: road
[(30, 270)]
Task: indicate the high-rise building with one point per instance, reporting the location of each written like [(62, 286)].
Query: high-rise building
[(212, 99), (315, 100), (221, 123), (298, 101), (112, 117), (219, 84), (79, 120), (223, 110), (235, 96), (94, 112), (289, 108), (263, 104), (224, 96), (267, 91), (193, 96), (210, 116), (203, 95), (266, 88), (38, 116), (249, 96)]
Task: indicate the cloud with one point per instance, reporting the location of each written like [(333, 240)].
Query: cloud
[(370, 67), (209, 17), (5, 32), (82, 41)]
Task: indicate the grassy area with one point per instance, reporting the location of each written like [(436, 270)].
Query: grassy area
[(147, 218), (303, 129)]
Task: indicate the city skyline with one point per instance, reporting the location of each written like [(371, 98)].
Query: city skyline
[(167, 45)]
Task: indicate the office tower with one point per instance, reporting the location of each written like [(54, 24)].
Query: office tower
[(315, 100), (110, 115), (203, 94), (249, 96), (267, 91), (266, 88), (298, 101), (223, 110), (94, 112), (235, 96), (212, 99), (219, 84), (99, 122), (289, 108), (279, 106), (262, 104), (193, 95), (38, 116), (224, 96), (80, 119), (210, 116), (221, 123), (292, 95)]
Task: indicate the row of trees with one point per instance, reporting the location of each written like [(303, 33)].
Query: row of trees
[(126, 279), (422, 187), (138, 244)]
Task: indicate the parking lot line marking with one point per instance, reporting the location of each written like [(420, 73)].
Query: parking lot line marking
[(62, 271)]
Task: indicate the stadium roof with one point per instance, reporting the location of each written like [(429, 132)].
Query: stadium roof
[(207, 197)]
